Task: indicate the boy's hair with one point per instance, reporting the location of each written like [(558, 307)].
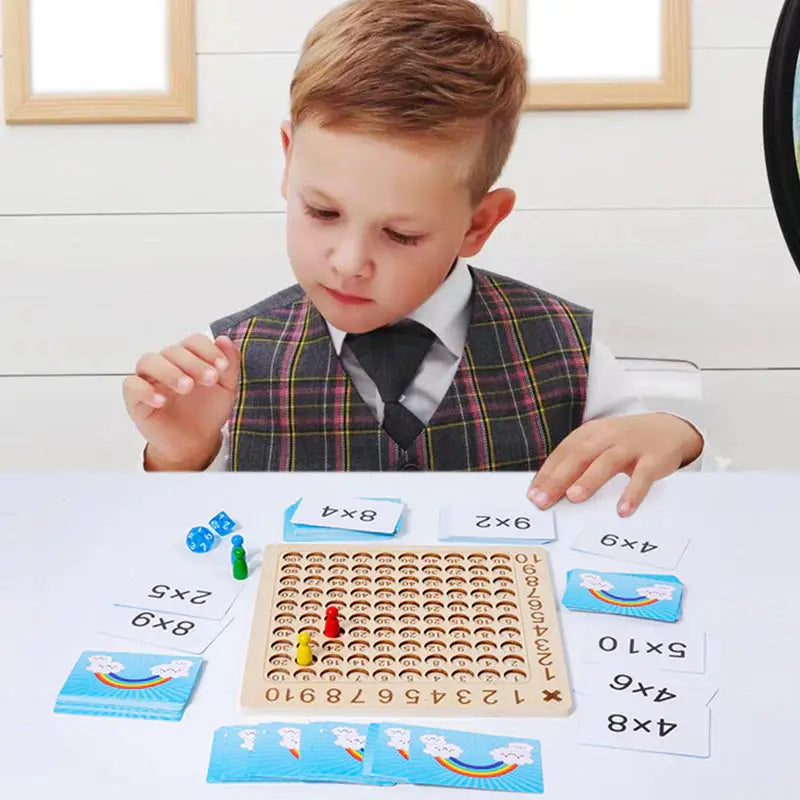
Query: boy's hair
[(428, 70)]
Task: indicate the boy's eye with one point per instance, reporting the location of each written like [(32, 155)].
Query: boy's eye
[(320, 213), (402, 238), (328, 215)]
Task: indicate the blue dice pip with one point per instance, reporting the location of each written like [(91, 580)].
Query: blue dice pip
[(222, 524), (200, 539)]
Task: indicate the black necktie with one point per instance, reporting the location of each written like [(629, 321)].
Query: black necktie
[(391, 356)]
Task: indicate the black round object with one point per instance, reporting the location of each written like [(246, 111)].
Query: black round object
[(782, 124)]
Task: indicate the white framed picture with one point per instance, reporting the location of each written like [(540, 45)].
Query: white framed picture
[(602, 53), (70, 61)]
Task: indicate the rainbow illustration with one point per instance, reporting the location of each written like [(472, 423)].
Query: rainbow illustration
[(358, 755), (471, 771), (118, 682), (403, 753), (295, 751), (625, 602), (505, 759), (351, 740)]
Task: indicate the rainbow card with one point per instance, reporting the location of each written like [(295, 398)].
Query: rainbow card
[(437, 757), (231, 752), (263, 753), (340, 750), (656, 597), (279, 752), (140, 685)]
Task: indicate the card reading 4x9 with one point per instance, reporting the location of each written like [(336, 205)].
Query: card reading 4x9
[(656, 548), (655, 534), (424, 630)]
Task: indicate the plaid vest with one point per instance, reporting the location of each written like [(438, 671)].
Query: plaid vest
[(520, 388)]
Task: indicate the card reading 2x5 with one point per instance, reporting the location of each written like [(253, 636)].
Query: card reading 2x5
[(424, 630)]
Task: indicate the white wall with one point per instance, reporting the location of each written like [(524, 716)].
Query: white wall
[(115, 239)]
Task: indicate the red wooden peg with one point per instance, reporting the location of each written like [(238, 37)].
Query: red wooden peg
[(331, 629)]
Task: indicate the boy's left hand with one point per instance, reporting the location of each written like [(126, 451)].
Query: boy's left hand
[(645, 446)]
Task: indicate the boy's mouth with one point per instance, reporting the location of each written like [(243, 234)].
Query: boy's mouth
[(347, 299)]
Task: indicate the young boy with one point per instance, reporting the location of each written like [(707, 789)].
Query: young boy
[(391, 352)]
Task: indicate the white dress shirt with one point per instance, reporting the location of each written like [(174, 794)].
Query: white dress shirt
[(609, 388)]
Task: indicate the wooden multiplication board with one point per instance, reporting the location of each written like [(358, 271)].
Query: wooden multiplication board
[(424, 630)]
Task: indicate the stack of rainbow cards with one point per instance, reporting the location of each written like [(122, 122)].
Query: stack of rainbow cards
[(656, 597), (290, 751), (437, 757), (140, 685), (379, 754), (338, 749)]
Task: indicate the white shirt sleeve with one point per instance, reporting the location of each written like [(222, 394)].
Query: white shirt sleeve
[(610, 392), (609, 389)]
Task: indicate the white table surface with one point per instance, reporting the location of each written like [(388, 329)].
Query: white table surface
[(68, 539)]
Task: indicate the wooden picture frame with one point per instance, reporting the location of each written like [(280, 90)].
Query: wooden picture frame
[(177, 104), (671, 91)]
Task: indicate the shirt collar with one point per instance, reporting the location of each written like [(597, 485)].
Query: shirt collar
[(445, 312)]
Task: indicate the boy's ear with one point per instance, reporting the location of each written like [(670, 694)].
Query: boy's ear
[(286, 141), (491, 211)]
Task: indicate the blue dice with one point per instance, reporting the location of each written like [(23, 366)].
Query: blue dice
[(222, 524), (200, 539)]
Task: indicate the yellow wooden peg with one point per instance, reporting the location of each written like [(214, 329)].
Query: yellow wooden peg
[(304, 654)]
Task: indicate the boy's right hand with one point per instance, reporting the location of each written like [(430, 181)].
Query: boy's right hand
[(180, 398)]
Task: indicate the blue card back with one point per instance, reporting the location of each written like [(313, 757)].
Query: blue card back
[(143, 683), (231, 752), (338, 750), (437, 757), (655, 597), (278, 752)]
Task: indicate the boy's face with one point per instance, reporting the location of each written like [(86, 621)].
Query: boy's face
[(373, 225)]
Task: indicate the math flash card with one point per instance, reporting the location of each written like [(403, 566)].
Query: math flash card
[(523, 524), (435, 757), (360, 519), (656, 597), (129, 685)]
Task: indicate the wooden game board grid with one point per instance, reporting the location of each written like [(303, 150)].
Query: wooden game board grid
[(414, 617)]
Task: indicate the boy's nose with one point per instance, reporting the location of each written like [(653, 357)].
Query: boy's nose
[(351, 260)]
